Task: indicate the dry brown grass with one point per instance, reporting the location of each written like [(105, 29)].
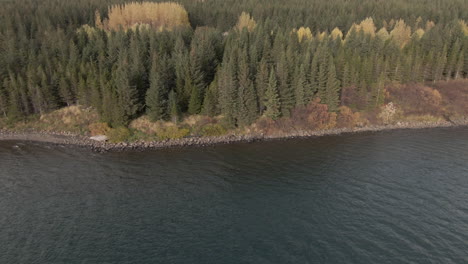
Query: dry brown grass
[(72, 119), (454, 96), (416, 99), (314, 116), (145, 125), (96, 129)]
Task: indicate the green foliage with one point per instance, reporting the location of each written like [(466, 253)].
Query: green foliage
[(156, 95), (118, 134), (247, 97), (210, 103), (213, 130), (272, 103), (173, 107), (194, 106), (158, 65), (172, 132)]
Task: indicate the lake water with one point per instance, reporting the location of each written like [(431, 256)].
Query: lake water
[(386, 197)]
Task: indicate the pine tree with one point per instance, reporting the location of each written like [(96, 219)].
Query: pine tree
[(378, 92), (136, 66), (108, 101), (313, 81), (459, 66), (285, 88), (35, 92), (261, 83), (127, 96), (322, 80), (3, 98), (440, 65), (346, 81), (332, 97), (452, 61), (155, 95), (228, 89), (300, 87), (247, 99), (180, 58), (65, 91), (272, 101), (210, 102), (173, 107), (95, 94), (194, 106), (83, 94), (15, 108)]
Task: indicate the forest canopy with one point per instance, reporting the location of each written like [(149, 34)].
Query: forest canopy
[(242, 60)]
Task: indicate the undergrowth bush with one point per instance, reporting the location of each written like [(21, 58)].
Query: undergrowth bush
[(172, 132), (213, 130), (96, 129), (119, 134), (346, 117)]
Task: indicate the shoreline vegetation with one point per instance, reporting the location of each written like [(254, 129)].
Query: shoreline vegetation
[(64, 138), (156, 74), (411, 106)]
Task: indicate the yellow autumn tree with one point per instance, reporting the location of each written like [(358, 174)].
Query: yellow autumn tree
[(166, 15), (418, 33), (401, 33), (246, 21), (429, 24), (90, 31), (418, 22), (336, 33), (464, 27), (304, 33), (383, 34), (368, 26), (354, 27), (321, 35)]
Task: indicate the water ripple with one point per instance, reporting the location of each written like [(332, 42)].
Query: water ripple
[(389, 197)]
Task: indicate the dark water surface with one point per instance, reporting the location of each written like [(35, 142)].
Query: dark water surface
[(388, 197)]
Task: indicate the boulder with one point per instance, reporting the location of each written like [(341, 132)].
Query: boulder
[(100, 138)]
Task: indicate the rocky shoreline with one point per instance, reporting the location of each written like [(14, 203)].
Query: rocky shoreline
[(62, 138)]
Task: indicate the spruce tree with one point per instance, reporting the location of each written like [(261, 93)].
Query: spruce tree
[(332, 97), (247, 98), (194, 105), (83, 94), (272, 101), (3, 98), (65, 91), (228, 88), (261, 83), (173, 107), (155, 95), (300, 87), (180, 58), (459, 66), (126, 96), (210, 102), (286, 91), (15, 110)]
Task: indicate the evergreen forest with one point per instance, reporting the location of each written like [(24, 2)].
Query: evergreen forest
[(239, 61)]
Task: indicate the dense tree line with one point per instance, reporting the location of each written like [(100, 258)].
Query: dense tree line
[(274, 58)]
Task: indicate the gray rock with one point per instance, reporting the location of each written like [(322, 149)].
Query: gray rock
[(100, 138)]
